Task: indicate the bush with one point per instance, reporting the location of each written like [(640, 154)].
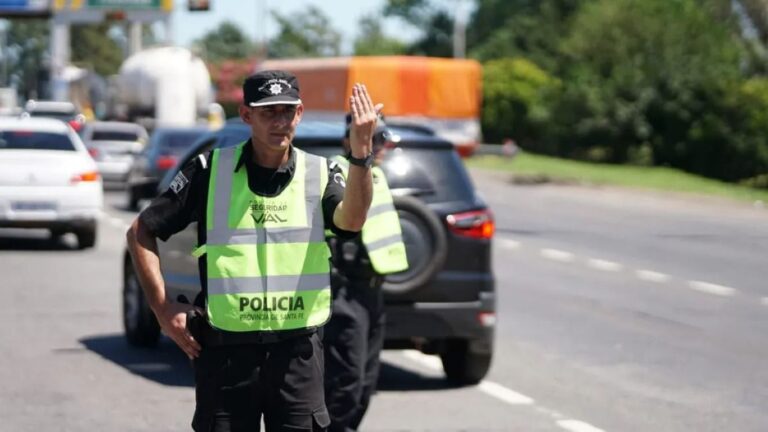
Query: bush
[(515, 101)]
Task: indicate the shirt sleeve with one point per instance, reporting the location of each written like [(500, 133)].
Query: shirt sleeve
[(179, 205), (333, 195)]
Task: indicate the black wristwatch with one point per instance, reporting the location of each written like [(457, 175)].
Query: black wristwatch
[(365, 162)]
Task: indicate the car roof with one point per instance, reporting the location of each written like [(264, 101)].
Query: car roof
[(114, 126), (38, 124), (44, 105)]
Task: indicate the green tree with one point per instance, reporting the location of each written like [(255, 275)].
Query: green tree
[(27, 56), (373, 41), (653, 79), (516, 101), (435, 24), (225, 42), (305, 34), (530, 28), (93, 48)]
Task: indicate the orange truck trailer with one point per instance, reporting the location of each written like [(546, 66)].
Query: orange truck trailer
[(442, 94)]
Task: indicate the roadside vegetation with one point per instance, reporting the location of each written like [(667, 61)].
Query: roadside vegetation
[(531, 168)]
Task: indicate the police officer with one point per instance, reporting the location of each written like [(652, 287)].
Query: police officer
[(355, 335), (261, 208)]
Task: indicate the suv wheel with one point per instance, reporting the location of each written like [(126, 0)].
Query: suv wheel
[(426, 245), (141, 327), (462, 365), (86, 236)]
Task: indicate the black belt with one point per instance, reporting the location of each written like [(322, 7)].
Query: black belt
[(201, 330)]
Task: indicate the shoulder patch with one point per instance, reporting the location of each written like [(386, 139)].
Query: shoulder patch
[(339, 178), (179, 182)]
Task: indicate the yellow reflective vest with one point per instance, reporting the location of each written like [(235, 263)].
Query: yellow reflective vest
[(267, 259), (381, 235)]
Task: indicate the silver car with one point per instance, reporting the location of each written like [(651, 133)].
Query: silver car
[(114, 145)]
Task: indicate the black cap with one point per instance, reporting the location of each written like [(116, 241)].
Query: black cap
[(382, 131), (271, 87)]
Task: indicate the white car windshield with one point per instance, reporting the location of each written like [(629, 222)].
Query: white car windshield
[(24, 140)]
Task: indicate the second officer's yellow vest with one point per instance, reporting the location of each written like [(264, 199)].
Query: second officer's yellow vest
[(382, 235), (267, 259)]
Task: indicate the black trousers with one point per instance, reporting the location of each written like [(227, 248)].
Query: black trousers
[(283, 381), (353, 340)]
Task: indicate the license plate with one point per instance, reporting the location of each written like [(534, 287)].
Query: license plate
[(33, 206)]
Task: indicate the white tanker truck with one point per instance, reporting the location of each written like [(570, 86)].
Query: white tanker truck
[(162, 86)]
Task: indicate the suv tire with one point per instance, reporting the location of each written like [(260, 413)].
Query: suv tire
[(426, 245), (140, 324), (462, 365)]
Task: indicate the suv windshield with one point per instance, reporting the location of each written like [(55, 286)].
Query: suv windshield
[(22, 140)]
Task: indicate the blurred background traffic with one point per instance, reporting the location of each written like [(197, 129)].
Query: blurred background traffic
[(587, 184)]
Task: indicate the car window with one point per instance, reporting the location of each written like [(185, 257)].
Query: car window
[(23, 140), (53, 114), (199, 148), (178, 141), (114, 136), (437, 175)]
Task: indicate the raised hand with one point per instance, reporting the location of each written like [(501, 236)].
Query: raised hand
[(364, 117)]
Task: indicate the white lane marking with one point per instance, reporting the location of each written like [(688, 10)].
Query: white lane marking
[(557, 255), (711, 288), (652, 276), (509, 244), (577, 426), (428, 361), (764, 301), (604, 265), (504, 394)]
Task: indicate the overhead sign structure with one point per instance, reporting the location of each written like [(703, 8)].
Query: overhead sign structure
[(148, 5), (24, 8)]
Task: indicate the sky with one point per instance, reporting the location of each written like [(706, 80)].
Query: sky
[(252, 16)]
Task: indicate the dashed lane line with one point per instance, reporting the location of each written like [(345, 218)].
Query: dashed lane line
[(557, 255), (577, 426), (646, 275), (506, 395), (710, 288), (509, 244), (652, 276), (604, 265)]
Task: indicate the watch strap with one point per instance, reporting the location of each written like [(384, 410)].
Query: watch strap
[(365, 162)]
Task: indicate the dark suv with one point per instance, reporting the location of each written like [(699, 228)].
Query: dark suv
[(443, 304)]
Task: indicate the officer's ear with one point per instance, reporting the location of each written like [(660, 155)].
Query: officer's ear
[(245, 113), (299, 112)]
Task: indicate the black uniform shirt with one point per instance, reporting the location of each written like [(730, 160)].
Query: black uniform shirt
[(186, 200)]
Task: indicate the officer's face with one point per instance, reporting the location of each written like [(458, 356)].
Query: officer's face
[(272, 126)]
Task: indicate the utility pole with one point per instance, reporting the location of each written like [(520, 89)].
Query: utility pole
[(4, 52), (459, 30)]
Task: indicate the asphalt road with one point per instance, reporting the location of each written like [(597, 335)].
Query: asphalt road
[(618, 311)]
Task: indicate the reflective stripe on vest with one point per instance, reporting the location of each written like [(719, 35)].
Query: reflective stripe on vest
[(267, 259), (382, 235)]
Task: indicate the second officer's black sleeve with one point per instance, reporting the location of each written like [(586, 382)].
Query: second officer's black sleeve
[(179, 205), (333, 195)]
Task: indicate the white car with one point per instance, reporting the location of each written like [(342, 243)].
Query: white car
[(114, 145), (48, 179)]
